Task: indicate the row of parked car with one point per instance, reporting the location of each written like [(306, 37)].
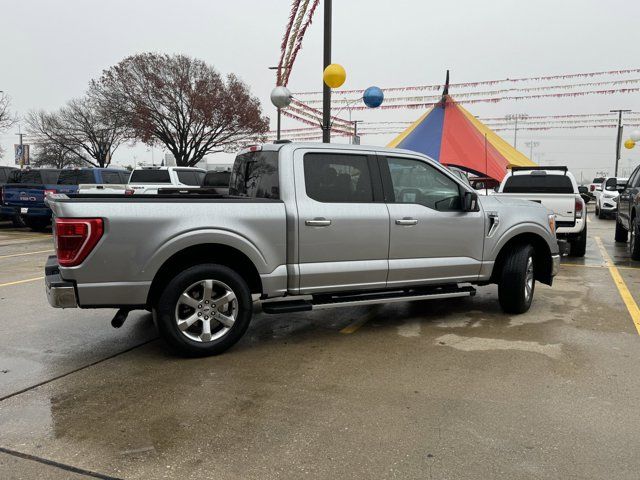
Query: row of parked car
[(23, 191)]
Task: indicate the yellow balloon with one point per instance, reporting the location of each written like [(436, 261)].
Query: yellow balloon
[(629, 144), (334, 75)]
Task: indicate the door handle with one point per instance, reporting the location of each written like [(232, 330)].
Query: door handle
[(406, 221), (318, 222)]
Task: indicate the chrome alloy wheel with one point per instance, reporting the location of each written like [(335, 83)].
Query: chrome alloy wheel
[(206, 311), (632, 236), (529, 278)]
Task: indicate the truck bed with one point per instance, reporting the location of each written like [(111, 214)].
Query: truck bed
[(142, 232)]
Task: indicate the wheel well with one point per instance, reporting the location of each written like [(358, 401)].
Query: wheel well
[(205, 253), (542, 256)]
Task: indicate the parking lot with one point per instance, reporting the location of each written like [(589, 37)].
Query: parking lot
[(435, 390)]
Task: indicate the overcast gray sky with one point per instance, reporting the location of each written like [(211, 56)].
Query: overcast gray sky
[(52, 48)]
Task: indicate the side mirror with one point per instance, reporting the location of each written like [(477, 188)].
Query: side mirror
[(470, 202), (620, 187)]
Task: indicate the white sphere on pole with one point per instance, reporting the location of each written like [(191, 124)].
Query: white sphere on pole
[(280, 97), (635, 135)]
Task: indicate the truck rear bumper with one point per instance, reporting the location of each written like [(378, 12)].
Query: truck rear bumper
[(60, 293)]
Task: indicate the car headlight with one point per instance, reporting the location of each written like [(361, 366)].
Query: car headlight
[(608, 195), (552, 223)]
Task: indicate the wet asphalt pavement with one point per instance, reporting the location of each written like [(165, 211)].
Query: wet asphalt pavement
[(423, 390)]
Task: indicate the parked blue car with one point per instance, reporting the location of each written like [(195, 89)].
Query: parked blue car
[(27, 189)]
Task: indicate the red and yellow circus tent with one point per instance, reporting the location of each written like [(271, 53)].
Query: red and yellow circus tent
[(451, 135)]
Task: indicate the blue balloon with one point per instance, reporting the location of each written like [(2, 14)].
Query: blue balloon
[(373, 97)]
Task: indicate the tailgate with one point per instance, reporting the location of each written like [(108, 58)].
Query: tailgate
[(17, 195), (563, 205), (23, 195)]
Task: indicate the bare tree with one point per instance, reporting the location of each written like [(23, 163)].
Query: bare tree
[(182, 103), (49, 154), (7, 118), (82, 129)]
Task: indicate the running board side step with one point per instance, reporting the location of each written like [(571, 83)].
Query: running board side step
[(321, 302)]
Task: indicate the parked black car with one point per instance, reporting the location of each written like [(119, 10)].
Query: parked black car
[(627, 221)]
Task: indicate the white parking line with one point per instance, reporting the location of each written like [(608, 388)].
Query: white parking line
[(23, 254)]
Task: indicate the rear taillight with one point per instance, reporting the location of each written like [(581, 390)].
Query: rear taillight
[(592, 188), (578, 208), (74, 238), (129, 191), (49, 192)]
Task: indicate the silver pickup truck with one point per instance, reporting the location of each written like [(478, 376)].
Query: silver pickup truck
[(305, 226)]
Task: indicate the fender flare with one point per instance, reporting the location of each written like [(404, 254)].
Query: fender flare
[(192, 238), (519, 229)]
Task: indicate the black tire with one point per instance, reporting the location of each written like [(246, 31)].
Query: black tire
[(601, 214), (513, 279), (634, 244), (183, 342), (621, 232), (597, 210), (18, 222), (37, 224), (579, 245)]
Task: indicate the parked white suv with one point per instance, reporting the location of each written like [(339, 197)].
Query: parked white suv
[(607, 197), (149, 179)]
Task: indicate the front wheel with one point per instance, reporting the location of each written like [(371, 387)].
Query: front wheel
[(634, 244), (517, 280), (621, 232), (204, 310), (597, 210)]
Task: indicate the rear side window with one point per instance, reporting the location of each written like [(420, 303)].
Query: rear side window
[(337, 178), (111, 177), (76, 177), (124, 177), (217, 179), (255, 175), (598, 180), (536, 183), (150, 176), (190, 177), (3, 175)]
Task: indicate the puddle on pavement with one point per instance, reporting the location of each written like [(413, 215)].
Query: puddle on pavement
[(473, 344)]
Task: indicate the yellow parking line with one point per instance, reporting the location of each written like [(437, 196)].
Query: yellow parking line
[(627, 298), (23, 254), (351, 328), (598, 266), (17, 282)]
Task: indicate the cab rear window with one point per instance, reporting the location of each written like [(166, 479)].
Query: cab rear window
[(38, 177), (76, 177), (536, 183), (150, 176)]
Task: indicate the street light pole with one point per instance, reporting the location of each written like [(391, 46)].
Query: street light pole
[(619, 138), (326, 90), (516, 117)]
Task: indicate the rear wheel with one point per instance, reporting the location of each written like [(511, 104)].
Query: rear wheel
[(621, 232), (634, 244), (204, 310), (37, 224), (517, 280), (579, 245)]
